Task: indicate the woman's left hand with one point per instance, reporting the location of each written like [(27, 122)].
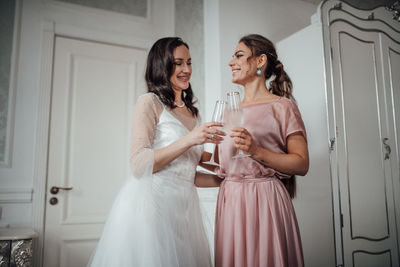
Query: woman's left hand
[(243, 140)]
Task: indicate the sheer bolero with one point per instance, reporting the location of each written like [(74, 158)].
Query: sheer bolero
[(155, 126)]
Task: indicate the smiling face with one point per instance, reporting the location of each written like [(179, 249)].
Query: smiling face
[(243, 65), (182, 69)]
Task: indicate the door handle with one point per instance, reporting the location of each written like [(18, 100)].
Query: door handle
[(387, 147), (55, 189)]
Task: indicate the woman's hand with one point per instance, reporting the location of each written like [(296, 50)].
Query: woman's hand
[(205, 133), (243, 140), (294, 162)]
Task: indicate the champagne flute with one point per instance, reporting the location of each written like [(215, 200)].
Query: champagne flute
[(218, 116), (236, 116)]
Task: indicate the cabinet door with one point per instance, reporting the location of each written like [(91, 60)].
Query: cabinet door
[(391, 66), (362, 130)]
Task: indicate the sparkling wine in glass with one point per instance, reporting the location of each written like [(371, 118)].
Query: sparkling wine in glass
[(235, 116), (218, 116)]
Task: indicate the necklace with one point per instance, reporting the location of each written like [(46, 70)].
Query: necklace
[(181, 105)]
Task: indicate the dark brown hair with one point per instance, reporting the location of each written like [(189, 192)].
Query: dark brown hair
[(160, 67), (281, 84)]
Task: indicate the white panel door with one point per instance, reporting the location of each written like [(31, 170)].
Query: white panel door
[(95, 86), (362, 126)]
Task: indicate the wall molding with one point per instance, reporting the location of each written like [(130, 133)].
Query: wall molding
[(75, 7), (212, 49), (159, 20), (15, 195), (41, 151), (6, 162)]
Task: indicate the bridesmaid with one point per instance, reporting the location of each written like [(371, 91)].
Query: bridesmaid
[(256, 223)]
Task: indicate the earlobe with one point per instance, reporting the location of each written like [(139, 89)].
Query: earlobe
[(262, 60)]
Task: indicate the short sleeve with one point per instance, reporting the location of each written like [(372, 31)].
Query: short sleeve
[(293, 120)]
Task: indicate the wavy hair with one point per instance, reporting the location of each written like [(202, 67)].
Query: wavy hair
[(159, 69), (281, 85)]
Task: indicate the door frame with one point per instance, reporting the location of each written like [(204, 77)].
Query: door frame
[(159, 21)]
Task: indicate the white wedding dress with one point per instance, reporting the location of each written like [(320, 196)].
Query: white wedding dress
[(156, 218)]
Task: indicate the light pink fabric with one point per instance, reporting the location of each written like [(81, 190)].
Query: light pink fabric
[(256, 223)]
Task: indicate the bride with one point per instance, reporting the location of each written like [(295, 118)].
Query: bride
[(156, 219)]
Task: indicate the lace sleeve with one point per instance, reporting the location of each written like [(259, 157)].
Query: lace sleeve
[(144, 122)]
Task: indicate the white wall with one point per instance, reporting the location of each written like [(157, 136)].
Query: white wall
[(302, 57), (189, 25), (16, 180), (274, 19)]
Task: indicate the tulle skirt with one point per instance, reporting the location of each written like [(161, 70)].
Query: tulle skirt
[(154, 221)]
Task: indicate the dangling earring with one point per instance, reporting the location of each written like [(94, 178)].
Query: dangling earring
[(258, 72)]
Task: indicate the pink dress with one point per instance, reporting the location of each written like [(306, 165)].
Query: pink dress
[(256, 223)]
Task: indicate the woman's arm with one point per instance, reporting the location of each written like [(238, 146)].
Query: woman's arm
[(206, 180), (207, 157), (205, 133), (295, 162), (144, 124)]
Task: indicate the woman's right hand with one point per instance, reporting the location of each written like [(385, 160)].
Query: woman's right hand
[(205, 133)]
